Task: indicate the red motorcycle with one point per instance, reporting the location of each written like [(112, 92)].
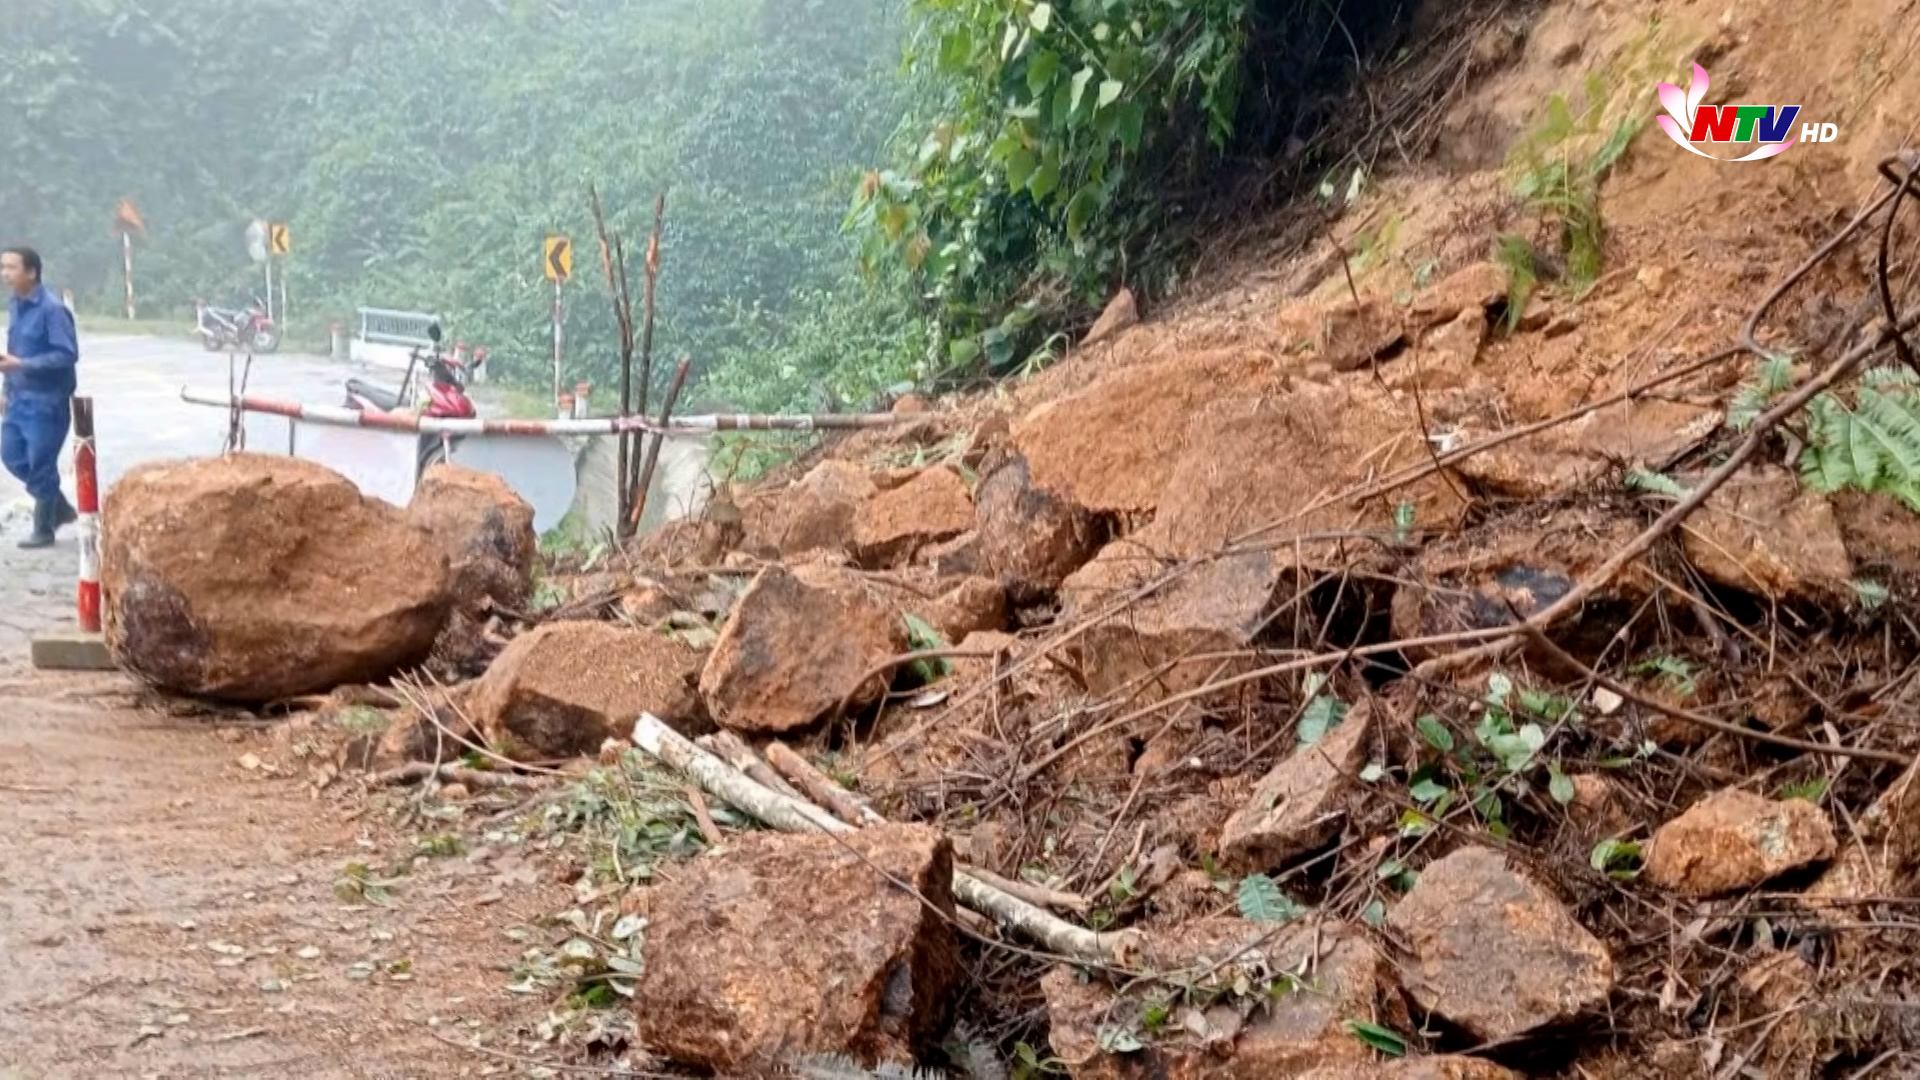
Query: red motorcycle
[(446, 395), (224, 330)]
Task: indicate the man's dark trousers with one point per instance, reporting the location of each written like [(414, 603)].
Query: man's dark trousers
[(31, 438)]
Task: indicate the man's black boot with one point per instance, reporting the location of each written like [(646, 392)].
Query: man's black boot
[(63, 513), (42, 534)]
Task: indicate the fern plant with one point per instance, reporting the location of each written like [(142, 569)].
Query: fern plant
[(1772, 377), (1872, 445)]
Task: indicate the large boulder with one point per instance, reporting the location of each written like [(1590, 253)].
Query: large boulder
[(252, 578), (798, 643), (563, 689), (789, 946), (486, 530), (1494, 952), (815, 514)]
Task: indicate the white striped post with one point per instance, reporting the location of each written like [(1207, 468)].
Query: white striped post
[(87, 494)]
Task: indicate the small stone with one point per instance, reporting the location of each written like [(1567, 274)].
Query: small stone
[(1651, 278), (250, 762), (1301, 804), (1606, 702), (1476, 287), (455, 793), (1735, 840), (1493, 952), (1121, 313), (562, 689), (1030, 537)]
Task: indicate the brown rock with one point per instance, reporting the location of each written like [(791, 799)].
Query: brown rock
[(1121, 314), (1474, 288), (1493, 952), (974, 605), (1734, 840), (798, 642), (564, 688), (912, 404), (1253, 462), (1884, 858), (257, 577), (1301, 803), (1345, 334), (1170, 641), (485, 529), (646, 603), (1456, 345), (1110, 447), (1030, 537), (818, 512), (1883, 536), (959, 557), (1648, 435), (1292, 1033), (1760, 533), (933, 506), (786, 946), (1443, 1067)]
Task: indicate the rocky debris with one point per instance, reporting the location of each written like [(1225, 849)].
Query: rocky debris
[(1597, 809), (1110, 447), (1473, 289), (1456, 345), (784, 946), (1882, 535), (1301, 803), (1519, 566), (1761, 533), (962, 556), (1440, 1067), (254, 577), (562, 689), (972, 606), (798, 643), (816, 513), (1121, 313), (485, 529), (1649, 435), (933, 506), (1882, 856), (1288, 1033), (1343, 334), (1240, 469), (1171, 641), (647, 603), (1493, 952), (1734, 840), (1030, 538)]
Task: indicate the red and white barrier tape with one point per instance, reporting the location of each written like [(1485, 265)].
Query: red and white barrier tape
[(341, 416)]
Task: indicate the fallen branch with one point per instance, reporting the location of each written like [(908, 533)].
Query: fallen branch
[(793, 815), (477, 779), (820, 787), (1037, 895), (734, 750)]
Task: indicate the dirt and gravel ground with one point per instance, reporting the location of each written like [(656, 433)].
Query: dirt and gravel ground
[(167, 911)]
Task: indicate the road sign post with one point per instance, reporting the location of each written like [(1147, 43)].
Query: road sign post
[(279, 245), (126, 222), (557, 263)]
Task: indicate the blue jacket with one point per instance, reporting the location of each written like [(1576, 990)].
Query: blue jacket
[(41, 335)]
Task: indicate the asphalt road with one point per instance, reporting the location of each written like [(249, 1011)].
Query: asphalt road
[(138, 417)]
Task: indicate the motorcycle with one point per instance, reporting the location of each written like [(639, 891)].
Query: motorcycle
[(446, 394), (228, 330)]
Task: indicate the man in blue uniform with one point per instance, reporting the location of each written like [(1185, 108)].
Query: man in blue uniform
[(42, 350)]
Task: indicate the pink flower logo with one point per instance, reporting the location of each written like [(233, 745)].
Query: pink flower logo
[(1687, 123)]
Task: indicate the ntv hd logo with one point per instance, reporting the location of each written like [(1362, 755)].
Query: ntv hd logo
[(1689, 122)]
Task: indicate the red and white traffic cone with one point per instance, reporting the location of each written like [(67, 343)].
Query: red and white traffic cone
[(87, 495)]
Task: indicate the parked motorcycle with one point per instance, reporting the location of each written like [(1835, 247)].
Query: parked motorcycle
[(228, 330), (446, 395)]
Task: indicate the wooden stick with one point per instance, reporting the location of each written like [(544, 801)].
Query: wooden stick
[(820, 787), (793, 815), (707, 828), (734, 751), (1038, 895), (455, 774), (653, 446)]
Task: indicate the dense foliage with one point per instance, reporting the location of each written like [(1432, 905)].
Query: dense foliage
[(420, 150), (1039, 151)]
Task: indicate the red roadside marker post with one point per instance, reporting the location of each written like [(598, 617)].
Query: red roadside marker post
[(83, 648)]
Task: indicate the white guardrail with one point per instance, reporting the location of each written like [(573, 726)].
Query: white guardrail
[(387, 338)]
